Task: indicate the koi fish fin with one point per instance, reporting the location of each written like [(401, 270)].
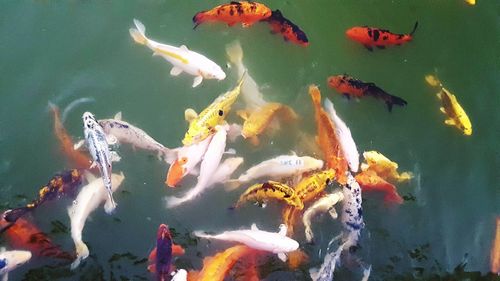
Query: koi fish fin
[(13, 215), (450, 122), (414, 28), (138, 34), (369, 48), (432, 80), (282, 230), (243, 114), (184, 48), (254, 227), (152, 268), (380, 47), (197, 81), (175, 71), (152, 255), (234, 52), (234, 132), (254, 141), (389, 106), (231, 185), (230, 151), (177, 250), (114, 156), (246, 25), (82, 252), (201, 234), (333, 213), (347, 96), (442, 110), (169, 155), (190, 115), (282, 257), (180, 275), (93, 165), (110, 205), (111, 139), (118, 116), (78, 145)]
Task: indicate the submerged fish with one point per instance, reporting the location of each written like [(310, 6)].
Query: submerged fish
[(383, 167), (290, 31), (262, 192), (274, 242), (246, 12), (89, 198), (451, 108), (62, 184), (279, 167), (161, 255), (250, 93), (127, 133), (10, 260), (375, 37), (324, 204), (495, 250), (370, 181), (258, 120), (79, 159), (327, 138), (350, 86), (95, 138), (182, 59), (25, 235), (203, 125)]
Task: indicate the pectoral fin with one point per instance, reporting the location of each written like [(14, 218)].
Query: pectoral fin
[(442, 109), (254, 227), (114, 156), (190, 115), (111, 139), (78, 145), (118, 116), (282, 257), (197, 81), (282, 230), (243, 114), (333, 213), (184, 48), (175, 71), (450, 122)]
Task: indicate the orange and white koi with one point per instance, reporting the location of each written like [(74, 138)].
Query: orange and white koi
[(246, 12), (375, 37)]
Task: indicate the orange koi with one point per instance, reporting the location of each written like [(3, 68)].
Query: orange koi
[(327, 139), (495, 250), (350, 86), (370, 181), (246, 12), (26, 236), (79, 159), (296, 259), (375, 37), (290, 31)]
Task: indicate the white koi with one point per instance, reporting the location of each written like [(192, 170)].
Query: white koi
[(277, 168), (274, 242), (352, 211), (179, 275), (182, 58), (324, 204), (95, 139), (347, 143), (10, 260), (88, 199)]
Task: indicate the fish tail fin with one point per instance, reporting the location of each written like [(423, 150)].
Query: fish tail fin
[(414, 28), (393, 197), (139, 34), (14, 214), (82, 252), (232, 184), (172, 202), (234, 52), (405, 176), (315, 95), (201, 234), (53, 107)]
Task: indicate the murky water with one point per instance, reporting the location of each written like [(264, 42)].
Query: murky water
[(63, 50)]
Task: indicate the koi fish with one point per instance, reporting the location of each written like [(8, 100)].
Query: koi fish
[(89, 198), (375, 37), (350, 86), (347, 143), (322, 205), (471, 2), (10, 260), (216, 268), (290, 217), (246, 12), (384, 167), (250, 92), (327, 138), (127, 133), (202, 125), (161, 255), (451, 108), (258, 120), (25, 235), (279, 167), (62, 184), (495, 250), (182, 59), (290, 31), (187, 158), (208, 167), (370, 181), (95, 138), (271, 189), (274, 242), (312, 186), (352, 212), (78, 158)]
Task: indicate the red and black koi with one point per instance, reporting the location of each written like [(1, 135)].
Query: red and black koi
[(380, 38), (349, 86), (246, 12), (161, 256), (290, 31), (62, 184)]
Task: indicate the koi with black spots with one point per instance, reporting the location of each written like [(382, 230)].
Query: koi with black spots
[(375, 37)]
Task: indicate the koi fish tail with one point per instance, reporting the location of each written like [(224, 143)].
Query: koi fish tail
[(82, 252), (198, 19), (201, 234), (139, 34), (393, 197), (432, 80), (414, 28), (234, 52), (389, 99), (110, 205), (14, 214), (315, 95)]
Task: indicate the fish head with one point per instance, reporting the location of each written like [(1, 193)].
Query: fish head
[(89, 121), (163, 232), (335, 81), (357, 33), (285, 245), (214, 72), (312, 163), (10, 260), (465, 126), (177, 171), (326, 177)]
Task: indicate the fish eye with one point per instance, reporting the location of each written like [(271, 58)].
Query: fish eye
[(221, 112), (183, 160), (328, 180)]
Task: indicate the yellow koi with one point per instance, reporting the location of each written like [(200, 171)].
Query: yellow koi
[(258, 120), (383, 167), (203, 125), (271, 189), (450, 106), (313, 185)]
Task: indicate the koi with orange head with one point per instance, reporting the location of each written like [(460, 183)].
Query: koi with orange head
[(79, 159), (25, 235), (161, 256), (370, 181), (327, 139), (375, 37), (290, 31), (246, 12)]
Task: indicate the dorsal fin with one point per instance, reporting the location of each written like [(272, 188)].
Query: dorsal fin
[(118, 116), (184, 48), (254, 227), (190, 115)]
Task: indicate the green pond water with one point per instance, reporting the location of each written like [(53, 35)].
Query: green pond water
[(60, 51)]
